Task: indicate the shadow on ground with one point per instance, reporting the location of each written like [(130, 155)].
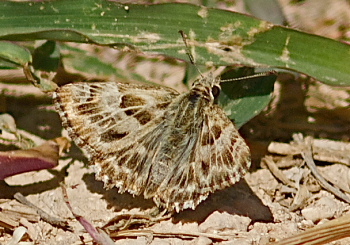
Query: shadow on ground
[(238, 199)]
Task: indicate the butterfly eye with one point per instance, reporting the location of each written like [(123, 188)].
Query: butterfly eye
[(215, 91)]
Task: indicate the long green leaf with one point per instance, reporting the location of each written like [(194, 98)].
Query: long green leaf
[(216, 36), (244, 99)]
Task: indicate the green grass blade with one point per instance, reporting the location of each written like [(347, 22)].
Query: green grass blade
[(216, 36), (14, 54)]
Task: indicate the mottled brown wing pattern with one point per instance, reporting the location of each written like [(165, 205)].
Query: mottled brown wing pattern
[(220, 158), (176, 149), (132, 165), (98, 115)]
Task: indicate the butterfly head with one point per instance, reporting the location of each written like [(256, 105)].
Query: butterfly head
[(206, 87)]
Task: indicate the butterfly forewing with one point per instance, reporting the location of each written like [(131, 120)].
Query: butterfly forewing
[(149, 140), (100, 117)]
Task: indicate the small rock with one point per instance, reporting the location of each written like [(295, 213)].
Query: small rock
[(324, 208), (306, 224), (223, 221), (201, 241)]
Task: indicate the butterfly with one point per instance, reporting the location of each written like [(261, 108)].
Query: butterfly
[(152, 141)]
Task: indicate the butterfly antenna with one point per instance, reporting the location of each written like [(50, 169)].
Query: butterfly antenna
[(261, 74), (188, 51)]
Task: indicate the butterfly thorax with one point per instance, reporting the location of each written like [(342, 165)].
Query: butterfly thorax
[(185, 118)]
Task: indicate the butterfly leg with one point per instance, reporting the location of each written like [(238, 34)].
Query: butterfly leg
[(158, 214)]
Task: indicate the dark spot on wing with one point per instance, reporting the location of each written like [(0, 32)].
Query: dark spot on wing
[(129, 100), (216, 180), (227, 157), (183, 182), (206, 140), (122, 156), (227, 178), (122, 160), (205, 168), (131, 163), (112, 136), (89, 99), (88, 108), (209, 138), (94, 87), (143, 117), (131, 112), (96, 118), (216, 130), (163, 105)]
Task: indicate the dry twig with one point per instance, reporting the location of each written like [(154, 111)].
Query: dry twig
[(183, 235), (43, 215), (277, 172), (306, 153)]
